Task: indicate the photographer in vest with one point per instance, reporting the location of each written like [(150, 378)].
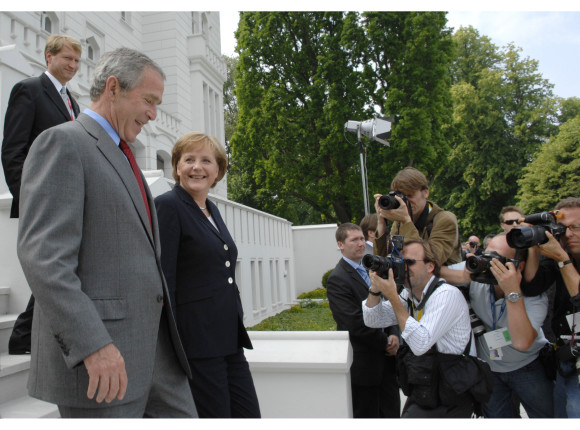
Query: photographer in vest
[(434, 319)]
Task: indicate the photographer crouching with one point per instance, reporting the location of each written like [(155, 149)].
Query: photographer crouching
[(434, 320), (560, 244), (513, 338)]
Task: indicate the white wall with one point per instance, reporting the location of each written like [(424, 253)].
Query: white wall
[(315, 253)]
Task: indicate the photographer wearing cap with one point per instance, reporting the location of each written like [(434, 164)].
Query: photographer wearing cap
[(433, 318), (561, 266), (513, 336), (416, 218)]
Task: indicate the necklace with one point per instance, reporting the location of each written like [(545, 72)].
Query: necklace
[(202, 208)]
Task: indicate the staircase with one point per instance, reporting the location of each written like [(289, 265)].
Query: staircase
[(14, 399)]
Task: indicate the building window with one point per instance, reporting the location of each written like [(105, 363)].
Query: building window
[(90, 53), (47, 26)]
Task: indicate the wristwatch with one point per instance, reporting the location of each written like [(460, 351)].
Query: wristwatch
[(513, 297), (563, 263), (373, 293)]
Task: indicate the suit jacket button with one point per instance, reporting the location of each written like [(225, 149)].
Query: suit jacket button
[(230, 281), (159, 298), (227, 264), (226, 247)]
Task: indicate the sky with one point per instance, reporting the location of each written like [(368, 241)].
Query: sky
[(551, 37)]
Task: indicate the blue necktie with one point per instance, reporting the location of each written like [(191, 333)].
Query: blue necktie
[(361, 270)]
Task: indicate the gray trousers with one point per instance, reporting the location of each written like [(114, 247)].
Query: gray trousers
[(169, 394)]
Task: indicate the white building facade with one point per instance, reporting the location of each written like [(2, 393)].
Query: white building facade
[(187, 47)]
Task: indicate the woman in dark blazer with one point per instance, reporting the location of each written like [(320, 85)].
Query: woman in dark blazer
[(199, 262)]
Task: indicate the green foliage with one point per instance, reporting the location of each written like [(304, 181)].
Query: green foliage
[(316, 317), (569, 108), (302, 75), (319, 293), (325, 277), (500, 119), (554, 173)]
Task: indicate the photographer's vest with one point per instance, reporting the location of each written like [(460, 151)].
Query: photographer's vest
[(419, 375)]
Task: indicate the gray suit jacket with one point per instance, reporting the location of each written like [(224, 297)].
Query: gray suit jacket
[(92, 263)]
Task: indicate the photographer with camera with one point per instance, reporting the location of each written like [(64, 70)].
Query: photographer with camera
[(433, 318), (375, 392), (513, 336), (560, 245), (416, 218)]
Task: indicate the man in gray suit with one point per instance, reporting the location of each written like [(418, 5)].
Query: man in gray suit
[(88, 243)]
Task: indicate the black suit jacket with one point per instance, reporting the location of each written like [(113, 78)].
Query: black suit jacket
[(34, 106), (199, 264), (346, 291)]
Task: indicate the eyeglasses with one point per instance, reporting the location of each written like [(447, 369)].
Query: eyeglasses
[(574, 228), (411, 261), (511, 221)]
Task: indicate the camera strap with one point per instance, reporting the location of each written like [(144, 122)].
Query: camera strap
[(437, 282)]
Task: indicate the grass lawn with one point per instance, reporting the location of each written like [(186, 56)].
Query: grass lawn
[(309, 316)]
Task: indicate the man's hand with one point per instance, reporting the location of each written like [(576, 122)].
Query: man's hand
[(400, 214), (508, 277), (106, 369), (552, 249), (385, 286), (393, 345)]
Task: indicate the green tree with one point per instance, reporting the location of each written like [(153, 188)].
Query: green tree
[(407, 76), (569, 108), (554, 172), (498, 124), (296, 85)]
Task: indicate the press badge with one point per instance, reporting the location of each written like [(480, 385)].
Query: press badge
[(496, 340)]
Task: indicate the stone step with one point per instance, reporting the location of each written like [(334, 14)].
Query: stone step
[(4, 296), (6, 325), (27, 407), (13, 376)]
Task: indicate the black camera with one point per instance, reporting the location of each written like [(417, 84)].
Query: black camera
[(394, 260), (479, 266), (388, 201), (525, 237)]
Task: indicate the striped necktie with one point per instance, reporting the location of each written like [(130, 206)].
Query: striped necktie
[(363, 273)]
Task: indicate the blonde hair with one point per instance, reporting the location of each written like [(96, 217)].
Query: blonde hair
[(56, 42), (196, 139)]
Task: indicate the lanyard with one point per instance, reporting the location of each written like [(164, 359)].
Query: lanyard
[(492, 302)]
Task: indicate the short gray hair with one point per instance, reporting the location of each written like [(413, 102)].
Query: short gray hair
[(126, 64)]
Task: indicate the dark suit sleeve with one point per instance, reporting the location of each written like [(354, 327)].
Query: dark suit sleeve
[(347, 311), (18, 125), (169, 236)]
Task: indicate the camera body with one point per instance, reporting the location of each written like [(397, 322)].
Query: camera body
[(526, 237), (394, 260), (388, 201), (479, 266)]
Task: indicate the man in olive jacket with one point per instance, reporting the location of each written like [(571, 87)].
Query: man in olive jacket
[(418, 218)]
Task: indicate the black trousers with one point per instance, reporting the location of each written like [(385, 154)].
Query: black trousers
[(19, 342), (223, 387), (382, 400)]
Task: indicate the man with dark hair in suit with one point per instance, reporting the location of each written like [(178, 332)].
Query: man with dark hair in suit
[(375, 392), (36, 104), (104, 339)]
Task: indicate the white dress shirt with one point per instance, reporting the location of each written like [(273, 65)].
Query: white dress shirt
[(445, 320)]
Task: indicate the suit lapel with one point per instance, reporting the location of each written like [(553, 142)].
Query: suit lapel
[(200, 216), (116, 158), (354, 275), (54, 96)]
